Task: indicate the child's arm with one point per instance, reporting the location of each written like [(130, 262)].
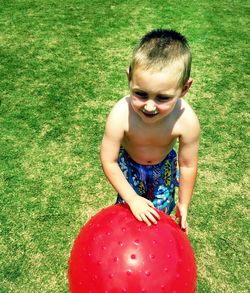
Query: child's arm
[(188, 161), (141, 208)]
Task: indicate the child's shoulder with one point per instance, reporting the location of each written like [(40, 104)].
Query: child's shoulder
[(187, 118), (122, 104), (187, 110), (120, 110), (121, 107)]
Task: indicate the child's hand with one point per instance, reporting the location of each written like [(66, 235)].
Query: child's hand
[(143, 209), (181, 217)]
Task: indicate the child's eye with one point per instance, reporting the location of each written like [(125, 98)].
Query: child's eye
[(163, 98), (141, 94)]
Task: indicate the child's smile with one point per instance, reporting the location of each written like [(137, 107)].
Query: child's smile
[(150, 115)]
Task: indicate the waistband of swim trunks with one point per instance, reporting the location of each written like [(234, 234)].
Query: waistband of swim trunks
[(172, 154)]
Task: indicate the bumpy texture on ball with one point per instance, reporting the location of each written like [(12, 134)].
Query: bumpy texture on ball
[(114, 252)]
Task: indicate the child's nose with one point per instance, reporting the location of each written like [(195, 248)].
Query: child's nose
[(150, 106)]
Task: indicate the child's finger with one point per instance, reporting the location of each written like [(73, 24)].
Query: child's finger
[(150, 203), (138, 218), (151, 217), (145, 219), (154, 212), (184, 226)]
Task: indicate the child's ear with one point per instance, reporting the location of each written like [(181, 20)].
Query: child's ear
[(186, 87)]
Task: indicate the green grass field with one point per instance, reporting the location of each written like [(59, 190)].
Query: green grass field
[(62, 68)]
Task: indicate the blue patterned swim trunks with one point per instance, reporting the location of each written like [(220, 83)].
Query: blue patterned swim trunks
[(154, 182)]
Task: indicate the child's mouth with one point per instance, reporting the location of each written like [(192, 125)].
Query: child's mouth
[(149, 114)]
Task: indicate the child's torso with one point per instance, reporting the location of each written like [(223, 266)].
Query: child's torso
[(149, 144)]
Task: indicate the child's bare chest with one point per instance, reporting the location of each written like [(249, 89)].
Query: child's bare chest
[(148, 138), (153, 135)]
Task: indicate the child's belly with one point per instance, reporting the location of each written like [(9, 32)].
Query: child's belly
[(148, 155)]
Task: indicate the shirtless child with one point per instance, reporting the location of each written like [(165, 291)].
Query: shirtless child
[(137, 152)]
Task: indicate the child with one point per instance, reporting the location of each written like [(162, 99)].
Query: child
[(137, 152)]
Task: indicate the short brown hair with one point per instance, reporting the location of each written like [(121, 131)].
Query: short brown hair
[(159, 48)]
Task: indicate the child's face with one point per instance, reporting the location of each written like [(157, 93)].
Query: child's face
[(155, 94)]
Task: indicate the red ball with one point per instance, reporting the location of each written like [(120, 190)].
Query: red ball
[(114, 252)]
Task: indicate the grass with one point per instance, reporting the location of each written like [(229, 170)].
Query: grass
[(62, 68)]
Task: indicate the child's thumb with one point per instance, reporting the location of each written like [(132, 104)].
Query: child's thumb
[(183, 223)]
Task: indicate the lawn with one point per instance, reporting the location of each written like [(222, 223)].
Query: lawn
[(62, 68)]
